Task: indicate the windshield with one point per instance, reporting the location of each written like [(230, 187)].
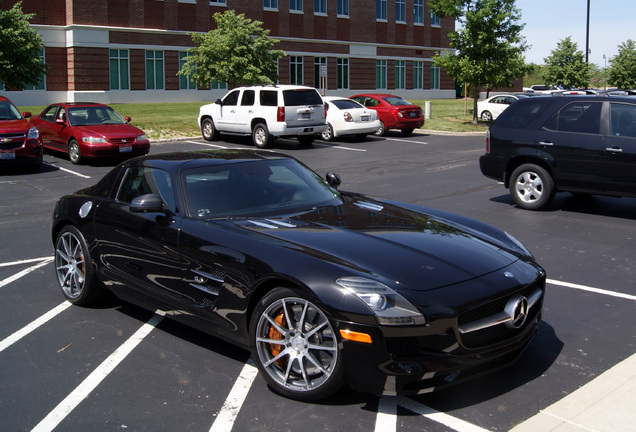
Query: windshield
[(94, 115), (255, 188), (8, 111), (396, 101)]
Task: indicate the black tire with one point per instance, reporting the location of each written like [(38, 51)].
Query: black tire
[(208, 130), (74, 268), (74, 153), (306, 140), (261, 136), (301, 379), (407, 132), (486, 116), (381, 131), (531, 186), (327, 134)]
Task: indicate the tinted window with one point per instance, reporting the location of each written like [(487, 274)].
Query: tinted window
[(269, 98), (581, 117), (301, 97), (522, 113), (248, 98), (396, 101), (345, 104), (140, 181), (623, 120), (231, 98)]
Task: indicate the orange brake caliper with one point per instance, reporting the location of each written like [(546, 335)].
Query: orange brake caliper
[(275, 334)]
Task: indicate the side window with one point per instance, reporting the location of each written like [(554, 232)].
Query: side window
[(248, 98), (61, 114), (623, 119), (231, 98), (521, 114), (140, 181), (269, 98), (580, 117), (49, 114)]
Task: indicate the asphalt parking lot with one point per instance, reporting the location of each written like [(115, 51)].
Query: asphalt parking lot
[(118, 367)]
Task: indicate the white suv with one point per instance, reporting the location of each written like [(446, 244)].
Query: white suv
[(266, 112)]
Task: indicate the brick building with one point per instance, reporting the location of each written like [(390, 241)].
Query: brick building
[(122, 51)]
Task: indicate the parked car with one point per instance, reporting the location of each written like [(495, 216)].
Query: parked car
[(579, 144), (489, 109), (542, 89), (325, 287), (393, 111), (20, 143), (347, 117), (266, 112), (87, 130)]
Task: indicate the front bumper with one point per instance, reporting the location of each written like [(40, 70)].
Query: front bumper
[(114, 150)]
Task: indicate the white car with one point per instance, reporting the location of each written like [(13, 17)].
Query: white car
[(347, 117), (489, 109), (266, 112)]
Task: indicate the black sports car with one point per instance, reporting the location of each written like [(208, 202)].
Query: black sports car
[(324, 287)]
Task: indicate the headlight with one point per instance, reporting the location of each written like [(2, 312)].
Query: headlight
[(389, 307), (142, 138), (33, 133), (93, 140)]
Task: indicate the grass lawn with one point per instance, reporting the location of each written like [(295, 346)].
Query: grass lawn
[(178, 120)]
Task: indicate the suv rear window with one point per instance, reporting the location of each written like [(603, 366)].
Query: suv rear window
[(269, 98), (301, 97), (520, 114)]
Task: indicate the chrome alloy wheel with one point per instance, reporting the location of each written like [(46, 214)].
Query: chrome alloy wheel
[(70, 265), (529, 187), (296, 344)]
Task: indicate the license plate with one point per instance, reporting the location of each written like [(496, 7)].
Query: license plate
[(364, 118), (125, 149), (413, 114), (8, 155), (306, 115)]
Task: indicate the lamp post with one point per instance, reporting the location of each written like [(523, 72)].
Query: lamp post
[(587, 34)]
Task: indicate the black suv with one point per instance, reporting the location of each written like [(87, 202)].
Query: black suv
[(579, 144)]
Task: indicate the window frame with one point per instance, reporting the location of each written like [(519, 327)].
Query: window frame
[(400, 11), (157, 74), (118, 60), (381, 74), (342, 73), (380, 10)]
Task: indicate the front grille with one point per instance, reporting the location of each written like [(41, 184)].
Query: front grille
[(402, 346), (11, 141), (498, 333), (124, 141)]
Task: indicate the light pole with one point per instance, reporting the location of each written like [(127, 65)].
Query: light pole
[(587, 34)]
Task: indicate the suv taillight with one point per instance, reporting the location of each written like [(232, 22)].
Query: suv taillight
[(280, 114), (326, 108), (488, 142)]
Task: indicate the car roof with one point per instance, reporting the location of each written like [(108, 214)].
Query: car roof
[(79, 104), (5, 99), (196, 158)]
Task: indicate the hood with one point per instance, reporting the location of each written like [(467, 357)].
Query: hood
[(406, 248), (111, 131), (14, 126)]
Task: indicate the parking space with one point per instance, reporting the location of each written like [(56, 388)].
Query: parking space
[(118, 367)]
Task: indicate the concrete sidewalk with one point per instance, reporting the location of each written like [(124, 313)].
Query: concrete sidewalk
[(605, 404)]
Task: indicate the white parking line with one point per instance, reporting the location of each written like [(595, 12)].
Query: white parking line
[(82, 391), (208, 145), (227, 416), (25, 272), (13, 338), (67, 170), (590, 289)]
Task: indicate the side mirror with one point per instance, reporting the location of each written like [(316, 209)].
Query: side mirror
[(26, 114), (219, 102), (150, 203), (128, 119), (333, 180)]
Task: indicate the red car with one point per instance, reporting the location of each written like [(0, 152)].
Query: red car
[(87, 130), (393, 111), (20, 143)]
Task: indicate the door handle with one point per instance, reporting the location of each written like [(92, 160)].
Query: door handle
[(546, 143), (614, 149)]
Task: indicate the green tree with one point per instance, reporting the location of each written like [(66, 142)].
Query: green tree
[(489, 45), (239, 52), (20, 46), (622, 70), (566, 66)]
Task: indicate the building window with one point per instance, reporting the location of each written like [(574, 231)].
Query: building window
[(320, 6), (154, 70), (343, 8), (296, 70), (380, 74), (296, 5), (380, 9), (434, 78), (319, 62), (217, 2), (342, 70), (418, 11), (400, 74), (185, 82), (215, 85), (418, 75), (40, 84), (118, 60), (434, 19), (400, 11), (270, 4)]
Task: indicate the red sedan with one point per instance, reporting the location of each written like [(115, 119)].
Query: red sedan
[(20, 143), (393, 111), (88, 130)]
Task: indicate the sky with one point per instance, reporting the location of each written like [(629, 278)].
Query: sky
[(547, 22)]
